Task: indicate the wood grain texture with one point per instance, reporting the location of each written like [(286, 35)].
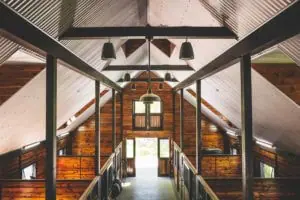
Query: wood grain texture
[(14, 76), (286, 77), (264, 189), (66, 190)]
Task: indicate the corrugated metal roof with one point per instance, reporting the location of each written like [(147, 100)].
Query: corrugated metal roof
[(291, 47), (244, 16)]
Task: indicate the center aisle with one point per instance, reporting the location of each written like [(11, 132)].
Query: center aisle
[(147, 186)]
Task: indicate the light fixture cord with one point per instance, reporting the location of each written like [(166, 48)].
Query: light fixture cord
[(149, 78)]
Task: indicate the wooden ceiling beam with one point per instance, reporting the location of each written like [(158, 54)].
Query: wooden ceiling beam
[(146, 80), (145, 67), (84, 33)]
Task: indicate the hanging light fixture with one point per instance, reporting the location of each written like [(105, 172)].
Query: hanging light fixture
[(127, 77), (149, 97), (133, 86), (168, 77), (186, 51), (108, 51), (161, 86)]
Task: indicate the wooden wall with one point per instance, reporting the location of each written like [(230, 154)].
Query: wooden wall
[(83, 138), (66, 190), (221, 166), (284, 163), (12, 163), (14, 76), (264, 189), (286, 77), (75, 167)]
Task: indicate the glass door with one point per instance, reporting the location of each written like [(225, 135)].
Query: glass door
[(130, 157), (163, 157)]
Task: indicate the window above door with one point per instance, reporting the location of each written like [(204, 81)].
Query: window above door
[(147, 116)]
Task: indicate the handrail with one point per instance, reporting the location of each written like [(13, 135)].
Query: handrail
[(207, 188), (90, 188), (107, 164), (203, 183)]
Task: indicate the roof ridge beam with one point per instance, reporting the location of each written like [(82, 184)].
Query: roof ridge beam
[(145, 67)]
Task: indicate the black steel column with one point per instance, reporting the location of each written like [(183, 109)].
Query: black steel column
[(181, 120), (247, 139), (113, 120), (97, 127), (51, 96), (174, 113), (121, 116), (198, 127)]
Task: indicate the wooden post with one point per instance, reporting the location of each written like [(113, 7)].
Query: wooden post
[(174, 113), (181, 119), (198, 127), (51, 97), (97, 128), (247, 139), (113, 120)]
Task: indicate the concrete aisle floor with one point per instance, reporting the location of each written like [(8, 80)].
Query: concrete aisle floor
[(147, 186)]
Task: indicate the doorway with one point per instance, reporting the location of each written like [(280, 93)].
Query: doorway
[(146, 157)]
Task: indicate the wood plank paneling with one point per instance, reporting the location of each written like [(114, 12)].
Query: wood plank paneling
[(286, 77), (264, 189), (66, 190), (221, 166), (14, 76)]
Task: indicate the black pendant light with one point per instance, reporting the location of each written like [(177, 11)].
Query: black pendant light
[(186, 51), (127, 77), (108, 51), (161, 86), (133, 86), (149, 97), (168, 77)]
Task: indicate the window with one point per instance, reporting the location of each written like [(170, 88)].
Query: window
[(62, 152), (129, 148), (147, 117), (266, 171), (29, 172), (164, 151), (233, 151)]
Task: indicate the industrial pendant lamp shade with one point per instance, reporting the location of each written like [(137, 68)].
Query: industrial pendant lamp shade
[(168, 77), (108, 51), (186, 51), (127, 77), (149, 97), (133, 86), (161, 86)]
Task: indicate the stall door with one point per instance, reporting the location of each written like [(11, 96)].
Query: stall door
[(163, 157), (130, 157)]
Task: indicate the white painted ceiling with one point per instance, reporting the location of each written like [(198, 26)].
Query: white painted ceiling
[(22, 117)]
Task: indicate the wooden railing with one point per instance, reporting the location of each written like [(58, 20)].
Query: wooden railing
[(111, 170), (189, 184)]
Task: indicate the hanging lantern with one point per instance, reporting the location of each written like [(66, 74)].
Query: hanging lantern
[(127, 77), (186, 51), (133, 86), (161, 86), (108, 51), (168, 77)]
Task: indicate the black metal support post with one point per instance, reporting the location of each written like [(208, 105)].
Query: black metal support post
[(121, 116), (247, 139), (51, 96), (97, 127), (113, 120), (181, 119), (198, 127)]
